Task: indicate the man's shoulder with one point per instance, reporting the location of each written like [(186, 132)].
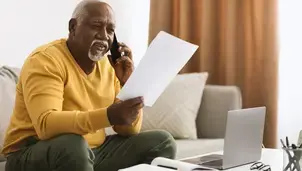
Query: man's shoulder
[(50, 48), (52, 52), (45, 57)]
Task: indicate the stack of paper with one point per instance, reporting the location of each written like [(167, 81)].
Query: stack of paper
[(164, 58)]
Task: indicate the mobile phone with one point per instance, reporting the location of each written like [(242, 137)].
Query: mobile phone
[(115, 54)]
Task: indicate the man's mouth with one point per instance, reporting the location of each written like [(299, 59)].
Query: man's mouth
[(100, 46)]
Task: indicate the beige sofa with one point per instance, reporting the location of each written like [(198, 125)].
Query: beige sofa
[(211, 120)]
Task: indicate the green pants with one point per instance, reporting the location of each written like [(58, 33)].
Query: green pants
[(71, 152)]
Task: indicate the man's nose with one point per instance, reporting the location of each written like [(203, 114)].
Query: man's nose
[(102, 35)]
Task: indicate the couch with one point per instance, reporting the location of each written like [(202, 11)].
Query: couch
[(210, 121)]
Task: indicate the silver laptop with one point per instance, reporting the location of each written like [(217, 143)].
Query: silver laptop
[(242, 143)]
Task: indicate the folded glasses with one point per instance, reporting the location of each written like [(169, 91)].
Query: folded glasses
[(260, 166)]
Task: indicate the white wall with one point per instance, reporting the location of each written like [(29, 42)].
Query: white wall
[(290, 69), (28, 24), (132, 24)]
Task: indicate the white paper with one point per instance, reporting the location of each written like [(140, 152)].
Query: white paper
[(145, 167), (177, 164), (164, 58)]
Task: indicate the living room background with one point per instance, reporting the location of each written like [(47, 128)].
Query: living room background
[(27, 24)]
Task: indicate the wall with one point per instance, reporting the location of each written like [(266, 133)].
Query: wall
[(28, 24), (132, 18), (290, 69)]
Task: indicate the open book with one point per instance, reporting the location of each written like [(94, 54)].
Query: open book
[(164, 164)]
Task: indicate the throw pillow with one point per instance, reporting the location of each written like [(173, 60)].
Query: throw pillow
[(8, 78), (176, 109)]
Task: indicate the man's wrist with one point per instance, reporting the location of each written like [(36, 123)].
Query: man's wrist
[(108, 116)]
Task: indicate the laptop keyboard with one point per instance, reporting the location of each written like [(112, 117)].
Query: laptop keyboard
[(213, 163)]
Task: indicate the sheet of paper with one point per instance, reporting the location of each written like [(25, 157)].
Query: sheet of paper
[(164, 58), (145, 167)]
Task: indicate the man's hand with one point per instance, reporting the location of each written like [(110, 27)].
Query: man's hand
[(125, 112), (124, 65)]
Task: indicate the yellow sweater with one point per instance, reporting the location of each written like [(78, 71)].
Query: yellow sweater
[(54, 96)]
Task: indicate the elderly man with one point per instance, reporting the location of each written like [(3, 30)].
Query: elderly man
[(66, 97)]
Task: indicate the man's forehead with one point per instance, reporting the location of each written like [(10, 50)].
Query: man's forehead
[(100, 13), (102, 20), (101, 9)]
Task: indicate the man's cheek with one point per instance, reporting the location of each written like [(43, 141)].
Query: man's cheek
[(87, 38)]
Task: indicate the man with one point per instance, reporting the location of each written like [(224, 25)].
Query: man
[(66, 97)]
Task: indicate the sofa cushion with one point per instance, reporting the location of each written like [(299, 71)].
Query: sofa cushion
[(2, 166), (176, 109), (217, 101), (190, 148), (8, 80)]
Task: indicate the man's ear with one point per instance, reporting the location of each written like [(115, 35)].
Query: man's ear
[(72, 26)]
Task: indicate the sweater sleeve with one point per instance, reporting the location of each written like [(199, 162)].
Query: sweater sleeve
[(43, 87), (136, 125)]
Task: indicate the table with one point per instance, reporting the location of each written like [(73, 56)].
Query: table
[(272, 157)]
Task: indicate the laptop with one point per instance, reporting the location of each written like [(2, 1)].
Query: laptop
[(242, 143)]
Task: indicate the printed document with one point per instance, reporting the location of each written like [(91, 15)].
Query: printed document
[(163, 60)]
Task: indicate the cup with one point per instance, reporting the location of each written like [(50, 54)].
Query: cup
[(292, 159)]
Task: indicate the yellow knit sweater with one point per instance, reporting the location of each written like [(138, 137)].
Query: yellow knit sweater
[(54, 96)]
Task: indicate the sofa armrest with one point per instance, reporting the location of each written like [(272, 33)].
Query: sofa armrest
[(216, 102)]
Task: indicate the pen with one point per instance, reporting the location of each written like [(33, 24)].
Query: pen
[(282, 143), (168, 167), (287, 142), (202, 169)]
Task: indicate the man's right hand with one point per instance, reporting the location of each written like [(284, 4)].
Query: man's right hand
[(125, 112)]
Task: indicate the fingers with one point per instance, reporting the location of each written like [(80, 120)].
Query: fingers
[(136, 108), (124, 48), (134, 102), (123, 59), (135, 111), (139, 106)]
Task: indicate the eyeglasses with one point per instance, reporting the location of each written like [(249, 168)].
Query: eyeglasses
[(260, 166)]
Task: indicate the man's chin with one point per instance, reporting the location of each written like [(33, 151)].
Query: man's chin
[(96, 57)]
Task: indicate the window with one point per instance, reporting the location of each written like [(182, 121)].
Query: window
[(290, 69)]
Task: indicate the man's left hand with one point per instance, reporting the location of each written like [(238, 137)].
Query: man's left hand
[(124, 65)]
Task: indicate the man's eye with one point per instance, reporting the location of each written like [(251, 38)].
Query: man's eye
[(110, 30), (96, 26)]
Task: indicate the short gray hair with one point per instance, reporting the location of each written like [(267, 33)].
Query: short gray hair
[(80, 12)]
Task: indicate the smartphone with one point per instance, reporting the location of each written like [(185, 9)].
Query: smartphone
[(115, 54)]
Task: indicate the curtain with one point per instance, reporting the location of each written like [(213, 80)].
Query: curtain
[(237, 46)]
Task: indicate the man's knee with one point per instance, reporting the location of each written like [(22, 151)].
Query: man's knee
[(161, 141), (70, 141), (72, 146), (160, 135)]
